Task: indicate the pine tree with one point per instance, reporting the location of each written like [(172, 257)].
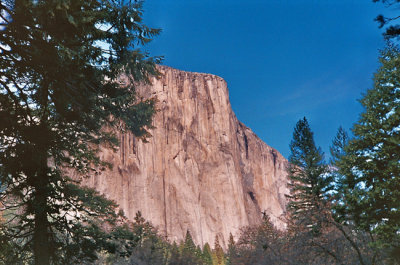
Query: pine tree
[(190, 253), (188, 244), (219, 252), (60, 90), (337, 151), (175, 257), (338, 146), (308, 174), (207, 254), (231, 249), (371, 164), (231, 243)]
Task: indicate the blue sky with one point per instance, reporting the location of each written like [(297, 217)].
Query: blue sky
[(282, 60)]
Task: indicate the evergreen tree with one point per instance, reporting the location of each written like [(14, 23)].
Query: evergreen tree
[(219, 257), (142, 229), (60, 63), (337, 151), (392, 30), (339, 144), (199, 255), (307, 172), (207, 254), (371, 164), (175, 257), (189, 248), (231, 255), (190, 254), (231, 243), (188, 244), (137, 243)]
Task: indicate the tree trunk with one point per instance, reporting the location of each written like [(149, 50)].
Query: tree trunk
[(41, 242)]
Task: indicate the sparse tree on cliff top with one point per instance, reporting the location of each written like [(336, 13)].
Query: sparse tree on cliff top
[(59, 68)]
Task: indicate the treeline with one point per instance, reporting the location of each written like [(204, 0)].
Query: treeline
[(139, 243)]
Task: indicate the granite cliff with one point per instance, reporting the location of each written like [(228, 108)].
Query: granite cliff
[(202, 170)]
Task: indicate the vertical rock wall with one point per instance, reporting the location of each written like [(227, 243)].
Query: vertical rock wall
[(202, 170)]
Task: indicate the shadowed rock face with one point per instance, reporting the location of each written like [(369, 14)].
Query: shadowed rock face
[(202, 170)]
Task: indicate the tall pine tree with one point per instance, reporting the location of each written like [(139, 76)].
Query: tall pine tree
[(60, 63), (371, 164), (309, 181), (337, 151)]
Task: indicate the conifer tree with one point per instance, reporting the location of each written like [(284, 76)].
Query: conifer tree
[(60, 63), (231, 249), (308, 174), (371, 164), (207, 254), (190, 253), (339, 144), (188, 244), (337, 151), (231, 242), (219, 252), (175, 257)]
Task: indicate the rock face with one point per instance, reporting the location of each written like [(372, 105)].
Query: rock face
[(202, 170)]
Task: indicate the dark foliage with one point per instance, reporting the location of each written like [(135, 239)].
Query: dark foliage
[(309, 178), (392, 30), (60, 88)]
